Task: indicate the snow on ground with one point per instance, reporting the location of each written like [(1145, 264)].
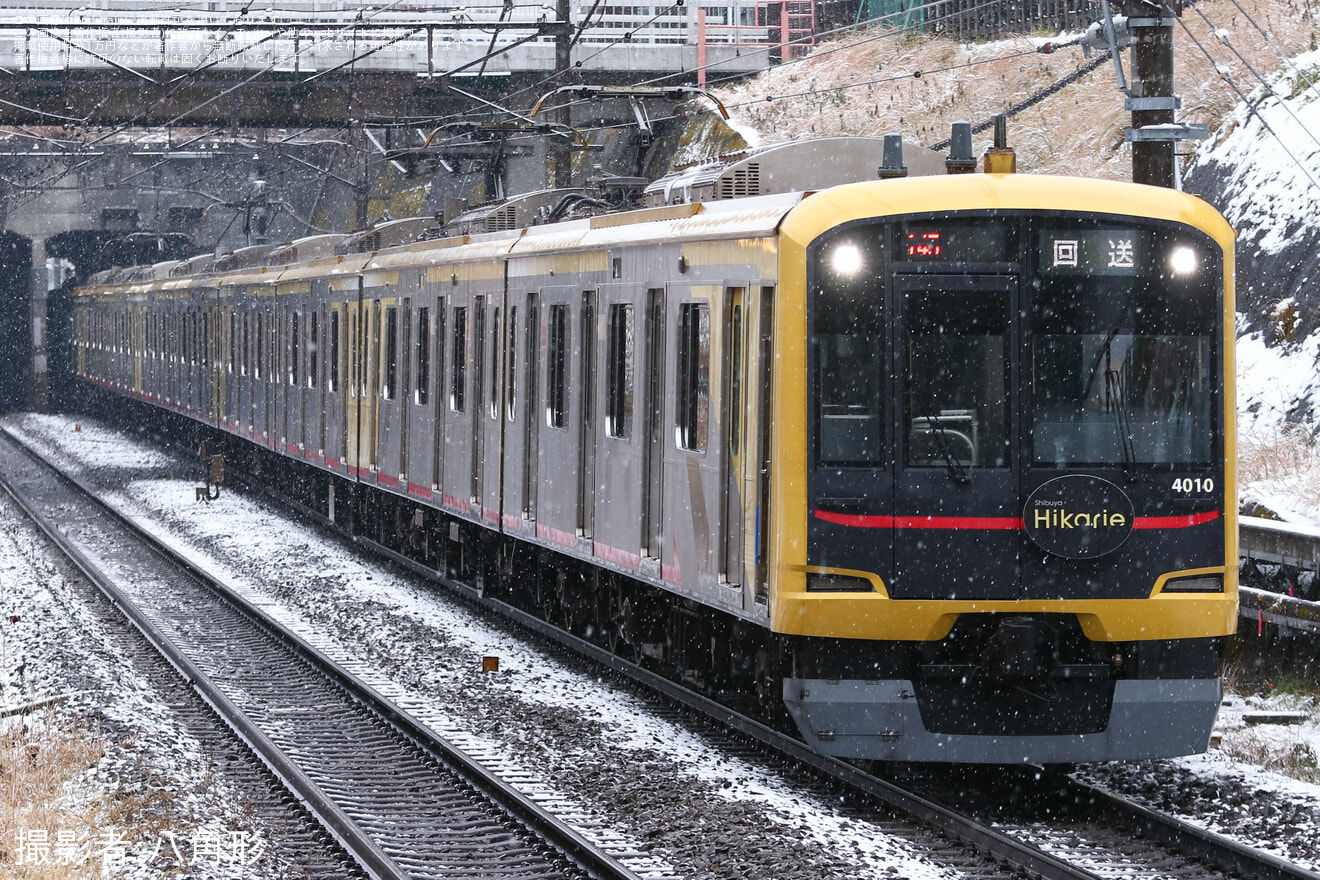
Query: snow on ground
[(1278, 461), (148, 798), (423, 649), (1266, 140)]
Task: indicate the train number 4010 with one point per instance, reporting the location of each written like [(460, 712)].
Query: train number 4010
[(1194, 485)]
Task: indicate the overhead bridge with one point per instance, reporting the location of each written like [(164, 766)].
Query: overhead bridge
[(312, 62)]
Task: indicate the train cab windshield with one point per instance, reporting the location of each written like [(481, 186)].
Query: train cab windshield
[(1078, 341), (1122, 348)]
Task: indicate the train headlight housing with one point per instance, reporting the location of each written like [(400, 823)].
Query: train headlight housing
[(1201, 583), (1183, 260), (847, 259)]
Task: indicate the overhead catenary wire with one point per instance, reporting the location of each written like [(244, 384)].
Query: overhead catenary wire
[(1277, 48), (1251, 108), (1261, 79), (886, 34), (1049, 91)]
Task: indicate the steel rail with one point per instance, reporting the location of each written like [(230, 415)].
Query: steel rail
[(1226, 854), (1199, 843), (376, 862), (1017, 853), (345, 831)]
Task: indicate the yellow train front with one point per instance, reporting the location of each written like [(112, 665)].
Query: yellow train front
[(1003, 469)]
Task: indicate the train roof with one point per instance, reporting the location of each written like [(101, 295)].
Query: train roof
[(395, 245)]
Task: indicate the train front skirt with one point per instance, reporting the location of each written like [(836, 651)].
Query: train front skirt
[(881, 720)]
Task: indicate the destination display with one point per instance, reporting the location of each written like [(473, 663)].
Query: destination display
[(1092, 251)]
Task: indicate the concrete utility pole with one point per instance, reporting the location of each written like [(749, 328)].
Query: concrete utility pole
[(1154, 134), (561, 157)]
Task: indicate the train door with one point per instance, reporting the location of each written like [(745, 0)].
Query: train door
[(956, 491), (209, 349), (531, 410), (276, 377), (733, 419), (388, 393), (513, 434), (352, 385), (243, 306), (295, 367), (586, 517), (313, 388), (139, 322), (653, 431), (762, 380), (260, 322), (492, 452), (693, 474), (231, 378), (456, 476), (271, 354), (403, 383), (341, 392), (558, 493), (439, 409), (219, 359), (422, 411), (477, 425), (619, 436)]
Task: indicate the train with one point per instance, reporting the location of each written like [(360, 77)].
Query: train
[(928, 466)]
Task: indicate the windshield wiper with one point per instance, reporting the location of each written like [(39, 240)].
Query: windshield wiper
[(1114, 399), (957, 470)]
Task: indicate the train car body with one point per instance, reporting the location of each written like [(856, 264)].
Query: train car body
[(942, 463)]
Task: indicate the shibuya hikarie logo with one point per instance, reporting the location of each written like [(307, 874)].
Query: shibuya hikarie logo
[(1078, 516)]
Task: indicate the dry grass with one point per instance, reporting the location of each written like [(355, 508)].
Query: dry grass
[(136, 820), (1078, 131), (1295, 759), (1289, 459), (38, 766)]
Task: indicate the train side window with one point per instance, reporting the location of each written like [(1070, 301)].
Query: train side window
[(313, 348), (369, 348), (691, 421), (261, 342), (293, 348), (423, 383), (439, 353), (233, 341), (273, 368), (458, 372), (353, 365), (391, 353), (510, 366), (332, 384), (735, 376), (619, 372), (495, 337), (556, 378)]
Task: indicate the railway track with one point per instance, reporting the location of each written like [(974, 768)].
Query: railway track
[(1100, 844), (400, 800), (1164, 845)]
